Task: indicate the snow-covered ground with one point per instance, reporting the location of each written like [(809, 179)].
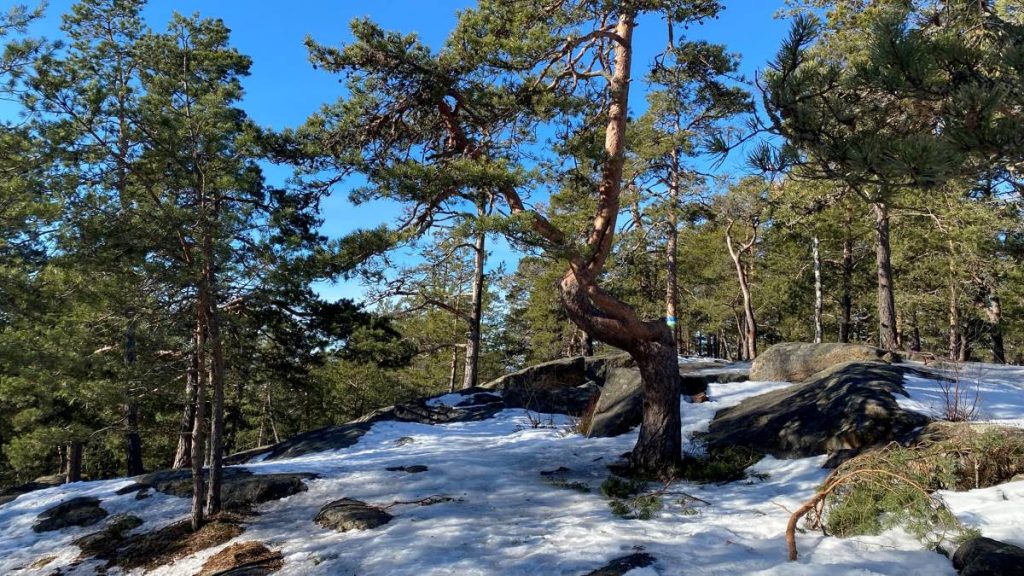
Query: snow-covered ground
[(506, 518)]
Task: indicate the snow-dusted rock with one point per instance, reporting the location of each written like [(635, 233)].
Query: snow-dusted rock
[(81, 511), (797, 361), (849, 407), (620, 406), (348, 514), (987, 557), (241, 488)]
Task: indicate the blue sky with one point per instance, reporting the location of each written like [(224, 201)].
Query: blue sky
[(283, 88)]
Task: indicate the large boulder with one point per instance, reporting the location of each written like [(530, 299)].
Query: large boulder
[(81, 511), (620, 406), (108, 539), (348, 514), (573, 401), (797, 361), (987, 557), (554, 375), (420, 411), (40, 483), (240, 490), (848, 408)]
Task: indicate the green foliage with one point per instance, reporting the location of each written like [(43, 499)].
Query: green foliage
[(627, 499), (894, 486), (618, 487), (726, 465)]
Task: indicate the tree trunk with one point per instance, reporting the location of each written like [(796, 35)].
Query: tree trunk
[(846, 300), (954, 321), (471, 375), (199, 423), (213, 503), (659, 447), (671, 243), (454, 369), (74, 471), (183, 456), (915, 332), (133, 441), (819, 328), (658, 451), (741, 336), (994, 312), (966, 349), (749, 323), (886, 290)]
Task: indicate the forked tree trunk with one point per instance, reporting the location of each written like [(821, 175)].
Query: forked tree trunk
[(473, 334), (886, 290), (658, 451), (183, 455), (743, 275)]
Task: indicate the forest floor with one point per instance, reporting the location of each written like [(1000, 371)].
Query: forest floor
[(498, 514)]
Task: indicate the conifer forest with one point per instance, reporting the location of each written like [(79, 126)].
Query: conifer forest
[(541, 180)]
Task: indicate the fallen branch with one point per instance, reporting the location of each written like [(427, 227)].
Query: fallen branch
[(429, 500), (830, 485)]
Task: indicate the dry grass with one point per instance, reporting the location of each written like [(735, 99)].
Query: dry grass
[(253, 556), (581, 424), (153, 549)]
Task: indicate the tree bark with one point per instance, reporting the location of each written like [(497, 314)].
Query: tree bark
[(886, 290), (659, 447), (199, 423), (133, 441), (846, 299), (658, 451), (994, 312), (749, 324), (74, 471), (671, 244), (819, 328), (473, 335), (183, 455), (213, 503), (954, 321), (453, 370), (915, 332)]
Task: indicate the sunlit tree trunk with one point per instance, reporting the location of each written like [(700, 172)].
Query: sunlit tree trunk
[(819, 311), (886, 290), (476, 310)]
